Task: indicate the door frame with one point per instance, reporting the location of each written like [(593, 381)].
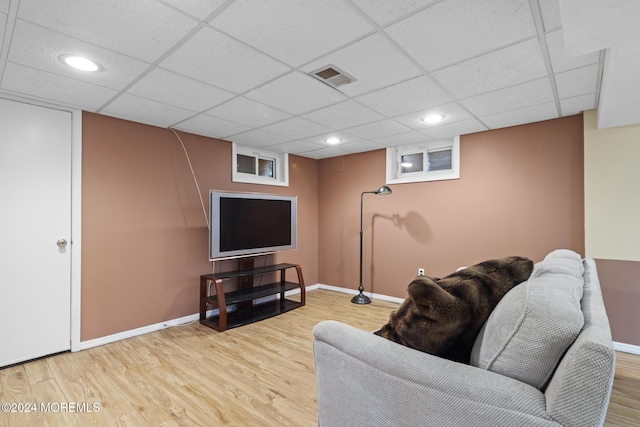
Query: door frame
[(76, 225)]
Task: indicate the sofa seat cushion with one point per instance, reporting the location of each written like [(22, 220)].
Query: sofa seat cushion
[(533, 325)]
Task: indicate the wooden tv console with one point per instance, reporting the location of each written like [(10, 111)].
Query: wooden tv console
[(246, 310)]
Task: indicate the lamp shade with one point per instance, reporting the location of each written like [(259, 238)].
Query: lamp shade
[(383, 191)]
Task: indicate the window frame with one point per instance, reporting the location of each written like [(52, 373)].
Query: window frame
[(394, 156), (280, 166)]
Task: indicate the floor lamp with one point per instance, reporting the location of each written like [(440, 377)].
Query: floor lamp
[(362, 298)]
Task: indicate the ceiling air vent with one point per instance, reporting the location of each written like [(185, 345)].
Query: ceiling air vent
[(332, 75)]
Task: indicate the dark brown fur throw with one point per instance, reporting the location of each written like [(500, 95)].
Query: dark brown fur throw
[(444, 316)]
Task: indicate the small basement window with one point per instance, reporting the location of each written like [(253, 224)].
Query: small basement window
[(431, 161), (256, 166)]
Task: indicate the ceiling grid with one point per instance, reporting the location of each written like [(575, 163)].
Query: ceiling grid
[(238, 69)]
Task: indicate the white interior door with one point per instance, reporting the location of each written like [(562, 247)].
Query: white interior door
[(35, 223)]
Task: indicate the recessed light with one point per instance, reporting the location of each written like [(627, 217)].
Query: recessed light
[(333, 141), (433, 118), (80, 63)]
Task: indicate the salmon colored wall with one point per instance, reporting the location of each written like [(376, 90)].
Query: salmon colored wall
[(520, 192), (144, 236)]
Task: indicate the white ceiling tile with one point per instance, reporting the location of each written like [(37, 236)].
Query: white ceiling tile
[(511, 98), (145, 28), (550, 10), (293, 31), (374, 62), (577, 104), (197, 8), (456, 30), (40, 48), (324, 153), (296, 93), (343, 115), (533, 114), (416, 94), (361, 146), (295, 147), (559, 60), (217, 59), (228, 60), (178, 90), (3, 20), (54, 88), (452, 113), (577, 82), (211, 126), (378, 129), (259, 138), (454, 129), (384, 11), (145, 110), (248, 112), (297, 128), (506, 67), (412, 137), (321, 139)]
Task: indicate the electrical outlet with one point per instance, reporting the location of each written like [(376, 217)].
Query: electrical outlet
[(421, 272)]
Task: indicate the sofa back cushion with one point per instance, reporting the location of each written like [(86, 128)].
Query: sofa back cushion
[(533, 325)]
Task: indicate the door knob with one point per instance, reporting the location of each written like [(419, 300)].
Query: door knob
[(61, 243)]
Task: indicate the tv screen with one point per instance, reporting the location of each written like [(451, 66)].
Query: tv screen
[(243, 224)]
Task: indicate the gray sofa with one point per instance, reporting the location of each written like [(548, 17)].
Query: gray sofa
[(544, 358)]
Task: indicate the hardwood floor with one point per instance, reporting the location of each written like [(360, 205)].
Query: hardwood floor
[(624, 405), (257, 375)]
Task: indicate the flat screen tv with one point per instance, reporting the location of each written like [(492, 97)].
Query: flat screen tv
[(244, 224)]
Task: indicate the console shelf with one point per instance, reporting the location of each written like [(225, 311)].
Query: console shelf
[(247, 311)]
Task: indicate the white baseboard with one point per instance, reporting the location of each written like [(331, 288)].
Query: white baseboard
[(307, 289), (83, 345), (135, 332), (141, 331), (626, 348), (355, 292)]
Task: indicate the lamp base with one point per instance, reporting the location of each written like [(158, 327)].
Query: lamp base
[(361, 299)]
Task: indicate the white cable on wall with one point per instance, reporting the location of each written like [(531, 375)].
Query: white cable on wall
[(193, 174)]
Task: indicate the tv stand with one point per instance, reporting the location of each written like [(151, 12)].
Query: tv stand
[(247, 311)]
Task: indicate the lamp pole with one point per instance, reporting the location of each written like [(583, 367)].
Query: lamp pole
[(361, 298)]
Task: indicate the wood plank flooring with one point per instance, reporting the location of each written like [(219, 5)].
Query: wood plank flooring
[(257, 375), (624, 405)]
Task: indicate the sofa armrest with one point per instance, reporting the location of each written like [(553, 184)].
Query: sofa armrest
[(579, 391), (364, 379)]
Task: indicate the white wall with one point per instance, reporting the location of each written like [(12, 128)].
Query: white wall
[(612, 190)]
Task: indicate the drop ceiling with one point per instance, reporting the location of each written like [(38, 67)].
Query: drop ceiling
[(239, 70)]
